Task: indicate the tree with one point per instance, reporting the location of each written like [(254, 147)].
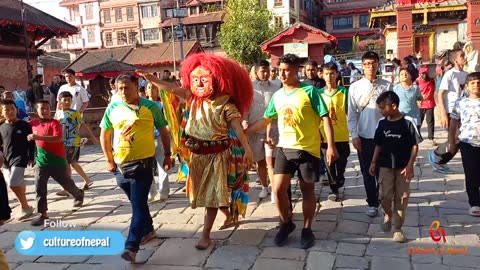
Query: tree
[(248, 23)]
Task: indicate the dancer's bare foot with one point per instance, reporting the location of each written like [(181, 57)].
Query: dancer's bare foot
[(203, 243)]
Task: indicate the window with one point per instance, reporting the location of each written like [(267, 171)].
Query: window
[(149, 11), (278, 21), (364, 20), (91, 34), (89, 11), (129, 14), (76, 12), (193, 10), (108, 39), (342, 23), (106, 15), (151, 34), (132, 36), (118, 14), (121, 38), (278, 3)]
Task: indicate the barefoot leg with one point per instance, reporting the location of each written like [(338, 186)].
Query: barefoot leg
[(209, 218)]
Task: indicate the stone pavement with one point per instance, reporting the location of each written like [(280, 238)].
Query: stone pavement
[(346, 237)]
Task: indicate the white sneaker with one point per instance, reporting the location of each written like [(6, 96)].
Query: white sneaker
[(153, 196), (264, 193)]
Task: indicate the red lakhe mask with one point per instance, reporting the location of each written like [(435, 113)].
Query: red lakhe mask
[(201, 82)]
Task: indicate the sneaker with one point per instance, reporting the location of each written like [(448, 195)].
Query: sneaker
[(387, 225), (264, 193), (333, 197), (163, 197), (25, 213), (308, 239), (399, 237), (153, 196), (372, 211), (474, 211), (79, 201), (149, 236), (282, 235), (128, 255), (38, 221), (63, 193), (433, 159), (324, 180)]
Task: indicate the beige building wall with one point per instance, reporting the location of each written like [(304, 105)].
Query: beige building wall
[(120, 22)]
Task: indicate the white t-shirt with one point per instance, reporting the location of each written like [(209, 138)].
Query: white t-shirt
[(80, 95), (454, 82)]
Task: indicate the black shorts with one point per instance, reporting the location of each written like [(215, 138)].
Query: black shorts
[(73, 154), (289, 161)]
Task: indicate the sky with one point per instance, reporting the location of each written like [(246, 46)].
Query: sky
[(48, 6)]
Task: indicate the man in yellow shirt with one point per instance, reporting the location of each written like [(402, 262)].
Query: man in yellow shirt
[(131, 120), (299, 110)]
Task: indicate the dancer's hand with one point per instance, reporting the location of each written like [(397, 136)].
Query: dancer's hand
[(373, 169), (408, 173), (357, 144)]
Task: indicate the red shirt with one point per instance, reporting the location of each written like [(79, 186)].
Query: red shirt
[(49, 153), (427, 88)]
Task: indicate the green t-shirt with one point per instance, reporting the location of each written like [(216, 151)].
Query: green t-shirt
[(299, 114)]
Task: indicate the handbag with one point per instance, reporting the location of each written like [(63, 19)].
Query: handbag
[(132, 168)]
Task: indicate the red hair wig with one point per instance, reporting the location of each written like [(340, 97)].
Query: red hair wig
[(230, 78)]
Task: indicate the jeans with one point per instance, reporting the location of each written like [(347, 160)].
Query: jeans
[(370, 182), (471, 166), (443, 150), (5, 210), (323, 166), (336, 170), (430, 115), (61, 175), (137, 190), (162, 182)]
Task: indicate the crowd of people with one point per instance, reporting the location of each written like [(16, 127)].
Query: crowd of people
[(230, 120)]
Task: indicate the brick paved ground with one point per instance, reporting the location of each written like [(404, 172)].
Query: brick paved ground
[(346, 237)]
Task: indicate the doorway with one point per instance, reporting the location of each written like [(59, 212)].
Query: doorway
[(422, 45)]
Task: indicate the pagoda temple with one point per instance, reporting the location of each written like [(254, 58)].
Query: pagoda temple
[(425, 27)]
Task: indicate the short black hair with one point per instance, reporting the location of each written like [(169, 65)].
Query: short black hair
[(330, 66), (127, 77), (390, 97), (65, 94), (472, 77), (342, 62), (290, 59), (5, 102), (41, 101), (452, 55), (112, 81), (69, 71), (262, 63), (1, 86), (371, 55), (311, 63), (397, 61)]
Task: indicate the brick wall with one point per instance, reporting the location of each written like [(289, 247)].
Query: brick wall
[(13, 71)]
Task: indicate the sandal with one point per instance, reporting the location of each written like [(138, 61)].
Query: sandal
[(227, 224), (474, 211)]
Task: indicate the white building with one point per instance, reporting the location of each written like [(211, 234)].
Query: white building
[(150, 21), (288, 12), (86, 16)]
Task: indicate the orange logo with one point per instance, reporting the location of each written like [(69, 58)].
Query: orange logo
[(288, 120), (437, 233)]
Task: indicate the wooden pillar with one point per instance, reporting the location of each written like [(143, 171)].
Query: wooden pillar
[(404, 30), (473, 21)]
